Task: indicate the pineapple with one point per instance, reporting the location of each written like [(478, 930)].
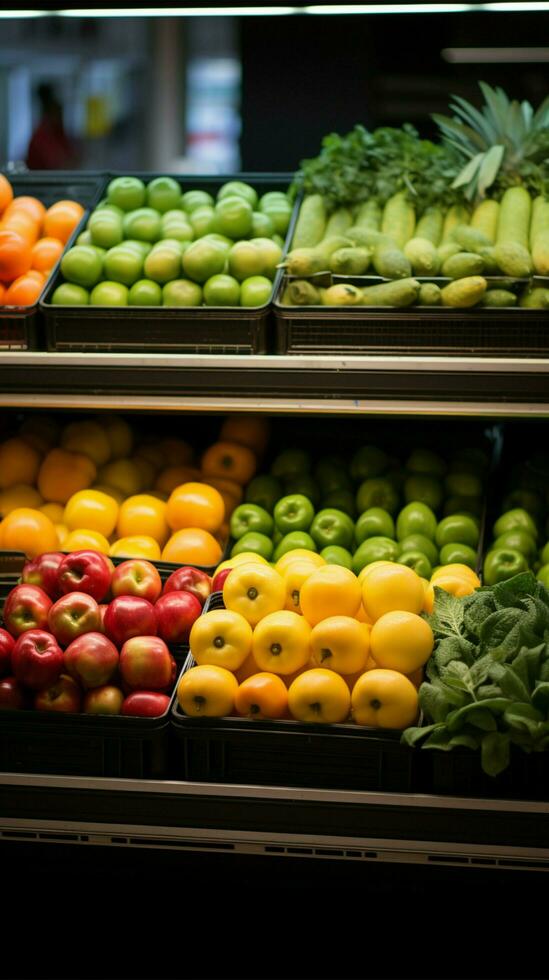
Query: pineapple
[(504, 144)]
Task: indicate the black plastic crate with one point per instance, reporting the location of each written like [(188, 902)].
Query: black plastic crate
[(287, 752), (191, 330), (427, 330), (21, 326), (459, 773)]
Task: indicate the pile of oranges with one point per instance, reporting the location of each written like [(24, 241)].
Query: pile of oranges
[(90, 483), (32, 239)]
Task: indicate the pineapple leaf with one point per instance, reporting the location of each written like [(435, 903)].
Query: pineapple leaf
[(469, 172), (517, 131), (497, 106), (527, 116), (475, 119), (489, 168), (541, 115), (469, 139)]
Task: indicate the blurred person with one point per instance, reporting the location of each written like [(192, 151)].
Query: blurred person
[(50, 147)]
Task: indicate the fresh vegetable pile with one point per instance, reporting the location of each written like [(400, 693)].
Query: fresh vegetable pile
[(406, 211), (156, 245), (488, 677)]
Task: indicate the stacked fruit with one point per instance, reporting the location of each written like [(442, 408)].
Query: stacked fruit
[(422, 514), (82, 635), (90, 484), (154, 245), (32, 239), (311, 642)]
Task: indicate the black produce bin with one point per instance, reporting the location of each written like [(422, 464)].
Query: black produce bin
[(183, 330), (76, 744), (515, 332), (21, 326), (287, 752)]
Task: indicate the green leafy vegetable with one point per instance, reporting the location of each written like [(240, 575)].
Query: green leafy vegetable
[(487, 681)]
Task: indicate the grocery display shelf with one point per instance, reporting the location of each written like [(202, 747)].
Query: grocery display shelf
[(275, 822), (278, 384)]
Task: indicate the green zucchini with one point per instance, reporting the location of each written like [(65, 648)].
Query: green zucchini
[(430, 225), (456, 215), (485, 219), (352, 261), (399, 219), (463, 264), (422, 255), (338, 222), (403, 292), (465, 292), (311, 222)]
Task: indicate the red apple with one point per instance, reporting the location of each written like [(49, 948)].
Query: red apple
[(43, 571), (63, 695), (12, 694), (146, 704), (102, 610), (26, 608), (105, 700), (85, 571), (219, 579), (147, 664), (91, 659), (128, 616), (7, 644), (175, 615), (72, 615), (37, 659), (189, 579), (138, 577)]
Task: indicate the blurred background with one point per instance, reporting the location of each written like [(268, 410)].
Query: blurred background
[(244, 90)]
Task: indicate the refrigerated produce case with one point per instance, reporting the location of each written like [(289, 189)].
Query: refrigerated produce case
[(223, 836)]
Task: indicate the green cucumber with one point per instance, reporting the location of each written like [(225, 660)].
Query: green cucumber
[(456, 215), (368, 215), (514, 218), (470, 239), (391, 263), (536, 298)]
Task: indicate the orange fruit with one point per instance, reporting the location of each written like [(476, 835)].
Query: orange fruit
[(24, 291), (54, 512), (143, 514), (15, 255), (29, 205), (401, 640), (207, 691), (247, 430), (136, 546), (19, 463), (62, 474), (92, 509), (6, 193), (263, 695), (2, 294), (195, 505), (384, 699), (192, 546), (61, 219), (391, 587), (86, 539), (45, 253), (229, 460), (20, 495), (23, 224), (28, 530), (330, 590)]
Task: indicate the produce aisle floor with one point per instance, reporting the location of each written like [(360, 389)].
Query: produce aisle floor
[(108, 913)]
